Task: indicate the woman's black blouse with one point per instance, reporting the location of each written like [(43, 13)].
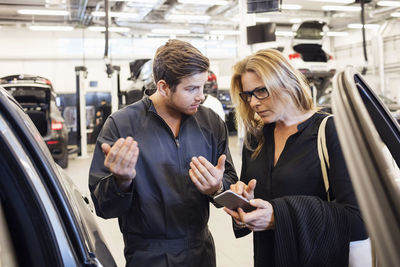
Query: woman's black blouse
[(298, 172)]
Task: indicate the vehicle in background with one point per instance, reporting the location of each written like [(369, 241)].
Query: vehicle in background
[(142, 79), (370, 141), (37, 97), (44, 219), (225, 97), (307, 52), (210, 95), (211, 85), (325, 103)]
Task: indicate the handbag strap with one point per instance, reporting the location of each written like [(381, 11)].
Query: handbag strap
[(323, 154), (324, 158)]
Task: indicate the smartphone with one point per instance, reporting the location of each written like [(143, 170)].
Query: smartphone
[(233, 201)]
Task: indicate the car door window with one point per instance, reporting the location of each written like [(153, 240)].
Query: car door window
[(35, 225)]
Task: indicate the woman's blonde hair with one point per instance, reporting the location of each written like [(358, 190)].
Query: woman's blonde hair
[(283, 82)]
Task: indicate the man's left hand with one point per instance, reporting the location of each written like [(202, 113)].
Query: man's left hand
[(207, 177)]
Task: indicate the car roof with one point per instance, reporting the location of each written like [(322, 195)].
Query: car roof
[(26, 80)]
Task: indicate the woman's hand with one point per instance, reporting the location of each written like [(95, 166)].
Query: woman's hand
[(242, 189), (260, 219)]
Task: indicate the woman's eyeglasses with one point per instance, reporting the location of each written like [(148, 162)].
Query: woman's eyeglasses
[(259, 93)]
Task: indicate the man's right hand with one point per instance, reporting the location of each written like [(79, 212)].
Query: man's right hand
[(121, 160)]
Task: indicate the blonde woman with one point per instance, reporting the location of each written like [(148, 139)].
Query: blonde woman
[(294, 224)]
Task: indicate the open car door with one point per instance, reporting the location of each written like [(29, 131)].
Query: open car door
[(370, 140)]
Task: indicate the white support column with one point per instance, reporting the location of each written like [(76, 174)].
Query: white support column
[(245, 20), (82, 108), (381, 57), (114, 92)]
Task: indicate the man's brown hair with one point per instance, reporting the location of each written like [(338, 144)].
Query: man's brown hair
[(176, 60)]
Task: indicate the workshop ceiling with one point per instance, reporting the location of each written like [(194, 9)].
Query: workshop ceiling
[(142, 16)]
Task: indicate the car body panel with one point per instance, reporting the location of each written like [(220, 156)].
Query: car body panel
[(75, 237), (370, 140)]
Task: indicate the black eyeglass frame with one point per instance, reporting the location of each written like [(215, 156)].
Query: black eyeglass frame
[(246, 96)]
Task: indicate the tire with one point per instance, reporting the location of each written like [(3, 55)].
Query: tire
[(63, 162)]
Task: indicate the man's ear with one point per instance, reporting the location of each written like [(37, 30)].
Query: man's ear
[(163, 87)]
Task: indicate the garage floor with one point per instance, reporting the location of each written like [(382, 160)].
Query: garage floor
[(231, 252)]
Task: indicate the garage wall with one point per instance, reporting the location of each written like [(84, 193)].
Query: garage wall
[(55, 54), (383, 46)]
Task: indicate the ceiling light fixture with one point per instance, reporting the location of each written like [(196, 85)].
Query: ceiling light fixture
[(188, 17), (295, 20), (137, 1), (395, 14), (115, 14), (111, 29), (367, 26), (342, 8), (170, 31), (224, 32), (204, 2), (284, 33), (51, 28), (265, 20), (291, 7), (337, 34), (389, 3), (334, 1), (44, 12)]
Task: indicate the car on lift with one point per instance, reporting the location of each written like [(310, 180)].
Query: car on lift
[(307, 52), (37, 97), (142, 79), (44, 219)]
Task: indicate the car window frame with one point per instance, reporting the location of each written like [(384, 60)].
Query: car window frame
[(38, 155), (46, 229), (370, 164)]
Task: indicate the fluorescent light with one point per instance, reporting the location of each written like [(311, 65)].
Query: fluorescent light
[(204, 2), (334, 1), (258, 19), (389, 3), (137, 1), (337, 34), (46, 12), (115, 14), (111, 29), (51, 28), (342, 8), (296, 20), (291, 7), (157, 35), (170, 31), (188, 17), (284, 33), (359, 26), (236, 19), (225, 32), (395, 14)]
